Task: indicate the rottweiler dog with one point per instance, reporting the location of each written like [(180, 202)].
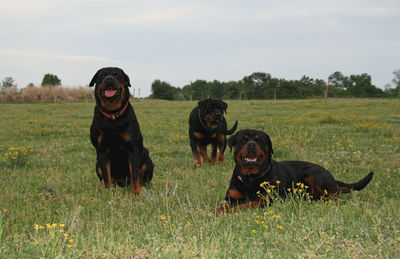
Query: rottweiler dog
[(116, 135), (207, 125), (254, 166)]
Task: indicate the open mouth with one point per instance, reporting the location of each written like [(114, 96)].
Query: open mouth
[(111, 93), (250, 160)]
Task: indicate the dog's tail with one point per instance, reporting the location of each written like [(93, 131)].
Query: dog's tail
[(347, 187), (229, 132)]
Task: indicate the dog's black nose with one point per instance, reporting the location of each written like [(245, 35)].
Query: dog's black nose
[(109, 79), (251, 144)]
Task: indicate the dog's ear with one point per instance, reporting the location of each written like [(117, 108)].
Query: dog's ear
[(127, 80), (268, 143), (94, 79), (232, 142), (224, 106)]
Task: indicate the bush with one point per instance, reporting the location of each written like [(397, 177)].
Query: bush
[(47, 93)]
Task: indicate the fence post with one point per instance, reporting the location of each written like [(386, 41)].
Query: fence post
[(326, 89)]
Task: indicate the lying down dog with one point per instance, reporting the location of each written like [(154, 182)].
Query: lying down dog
[(254, 166)]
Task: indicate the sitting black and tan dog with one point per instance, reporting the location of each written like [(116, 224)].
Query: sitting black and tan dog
[(115, 133), (254, 166), (207, 125)]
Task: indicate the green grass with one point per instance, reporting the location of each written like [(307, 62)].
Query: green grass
[(47, 177)]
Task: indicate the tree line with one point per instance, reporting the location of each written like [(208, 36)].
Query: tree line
[(48, 80), (261, 85)]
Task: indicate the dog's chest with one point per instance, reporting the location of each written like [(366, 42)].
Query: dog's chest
[(116, 141)]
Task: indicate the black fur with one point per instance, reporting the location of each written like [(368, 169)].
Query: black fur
[(254, 165), (116, 135), (207, 125)]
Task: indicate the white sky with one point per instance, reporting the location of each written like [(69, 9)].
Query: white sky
[(182, 41)]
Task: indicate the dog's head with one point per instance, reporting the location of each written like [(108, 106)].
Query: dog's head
[(111, 90), (212, 111), (252, 150)]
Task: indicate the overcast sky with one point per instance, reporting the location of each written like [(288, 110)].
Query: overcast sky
[(182, 41)]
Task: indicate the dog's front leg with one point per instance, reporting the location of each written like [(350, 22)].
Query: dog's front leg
[(196, 153), (134, 161), (221, 147), (105, 168), (213, 153)]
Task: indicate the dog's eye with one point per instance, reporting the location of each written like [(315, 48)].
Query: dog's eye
[(246, 137)]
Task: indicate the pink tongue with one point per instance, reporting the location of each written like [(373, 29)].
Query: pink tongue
[(109, 93)]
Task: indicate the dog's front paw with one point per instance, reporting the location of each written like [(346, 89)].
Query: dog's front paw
[(223, 208), (196, 164)]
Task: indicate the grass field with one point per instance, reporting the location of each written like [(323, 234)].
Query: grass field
[(52, 204)]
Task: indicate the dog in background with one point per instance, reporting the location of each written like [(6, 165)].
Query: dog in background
[(207, 125), (254, 166), (116, 135)]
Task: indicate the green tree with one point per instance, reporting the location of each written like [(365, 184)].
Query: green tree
[(163, 90), (232, 89), (336, 79), (199, 89), (216, 89), (288, 89), (256, 85), (394, 91), (396, 79), (8, 82), (361, 86), (306, 85), (51, 80)]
